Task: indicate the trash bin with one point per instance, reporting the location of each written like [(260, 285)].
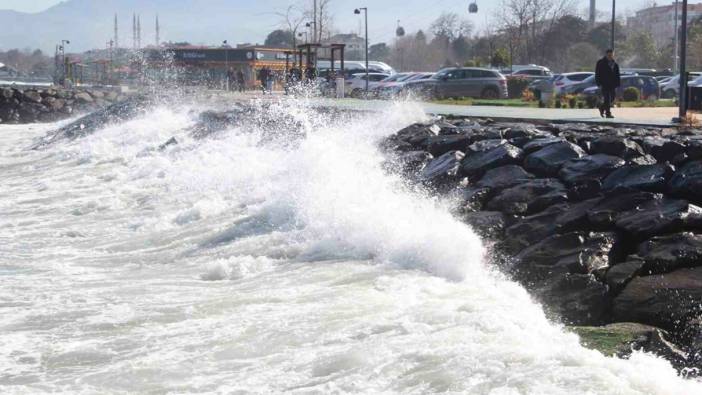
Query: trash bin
[(339, 88), (694, 98)]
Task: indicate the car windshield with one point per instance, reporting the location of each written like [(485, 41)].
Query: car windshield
[(589, 80)]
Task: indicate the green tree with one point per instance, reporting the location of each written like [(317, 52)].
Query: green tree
[(379, 51), (601, 36), (500, 58), (639, 50), (280, 38)]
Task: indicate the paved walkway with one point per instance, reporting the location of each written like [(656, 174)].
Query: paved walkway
[(658, 116)]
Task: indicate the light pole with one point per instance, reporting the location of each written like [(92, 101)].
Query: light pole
[(675, 39), (682, 100), (357, 11), (62, 47), (226, 63), (614, 9)]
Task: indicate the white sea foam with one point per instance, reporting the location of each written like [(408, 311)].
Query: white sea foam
[(234, 264)]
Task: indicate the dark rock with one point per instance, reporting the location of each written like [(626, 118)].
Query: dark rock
[(663, 254), (504, 177), (575, 252), (83, 97), (578, 299), (473, 198), (687, 182), (663, 149), (478, 163), (605, 213), (439, 145), (584, 190), (532, 229), (29, 111), (412, 162), (620, 274), (651, 178), (660, 215), (171, 141), (622, 338), (548, 160), (616, 146), (537, 144), (592, 167), (443, 169), (644, 160), (666, 300), (529, 197), (487, 224), (31, 96), (576, 216)]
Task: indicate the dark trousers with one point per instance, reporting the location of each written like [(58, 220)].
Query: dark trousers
[(608, 97)]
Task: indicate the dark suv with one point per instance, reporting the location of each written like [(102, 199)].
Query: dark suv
[(648, 87), (462, 82)]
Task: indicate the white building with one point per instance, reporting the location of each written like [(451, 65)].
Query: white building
[(660, 21)]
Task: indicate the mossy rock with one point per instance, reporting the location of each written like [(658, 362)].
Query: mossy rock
[(615, 339)]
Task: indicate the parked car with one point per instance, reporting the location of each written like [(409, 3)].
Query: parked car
[(356, 85), (392, 80), (398, 88), (647, 86), (533, 73), (576, 89), (670, 89), (545, 85), (461, 82), (380, 67), (567, 79), (647, 72)]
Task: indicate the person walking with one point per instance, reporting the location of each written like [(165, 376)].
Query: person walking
[(240, 82), (608, 79)]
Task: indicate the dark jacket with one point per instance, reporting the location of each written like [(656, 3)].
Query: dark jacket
[(605, 76)]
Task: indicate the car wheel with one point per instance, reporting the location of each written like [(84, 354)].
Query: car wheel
[(490, 93), (356, 93), (669, 94)]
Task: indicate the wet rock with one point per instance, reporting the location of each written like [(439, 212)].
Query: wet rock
[(443, 169), (478, 163), (644, 160), (576, 216), (584, 190), (83, 97), (439, 145), (578, 299), (660, 215), (663, 149), (473, 198), (666, 300), (529, 197), (31, 96), (620, 274), (687, 182), (487, 224), (537, 144), (548, 160), (504, 177), (169, 142), (575, 252), (592, 167), (622, 338), (411, 163), (606, 212), (663, 254), (486, 145), (616, 146), (532, 229), (650, 178)]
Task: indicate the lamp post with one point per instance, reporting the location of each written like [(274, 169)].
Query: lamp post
[(357, 11), (675, 39), (62, 48), (225, 45), (614, 20), (682, 100)]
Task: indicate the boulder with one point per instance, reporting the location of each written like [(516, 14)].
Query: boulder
[(83, 97), (620, 274), (660, 215), (687, 182), (577, 299), (665, 300), (591, 167), (537, 144), (412, 162), (548, 160), (663, 254), (439, 145), (486, 145), (584, 190), (97, 94), (487, 224), (616, 146), (606, 212), (575, 252), (663, 149), (31, 96), (504, 177), (529, 197), (478, 163), (651, 178), (443, 169), (530, 230), (622, 338), (472, 199)]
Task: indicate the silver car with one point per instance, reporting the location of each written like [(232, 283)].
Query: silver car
[(462, 82)]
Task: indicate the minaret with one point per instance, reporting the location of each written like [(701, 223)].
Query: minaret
[(116, 33), (139, 32), (158, 32), (134, 32)]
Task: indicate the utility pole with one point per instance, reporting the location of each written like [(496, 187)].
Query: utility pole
[(314, 12), (134, 32), (139, 32), (683, 58), (116, 39), (675, 40), (614, 20), (593, 13), (365, 12), (158, 33)]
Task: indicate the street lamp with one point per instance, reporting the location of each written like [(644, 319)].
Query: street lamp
[(300, 35), (62, 48), (614, 20), (357, 11), (682, 100)]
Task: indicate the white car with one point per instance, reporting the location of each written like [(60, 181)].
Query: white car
[(356, 85), (563, 81), (670, 89)]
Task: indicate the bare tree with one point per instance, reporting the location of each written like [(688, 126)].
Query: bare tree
[(292, 19)]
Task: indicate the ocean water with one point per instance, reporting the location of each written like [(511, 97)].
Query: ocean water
[(245, 264)]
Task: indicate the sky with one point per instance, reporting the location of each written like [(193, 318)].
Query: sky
[(383, 14)]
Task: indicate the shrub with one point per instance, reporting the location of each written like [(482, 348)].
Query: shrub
[(572, 101), (631, 94), (581, 105), (558, 103), (528, 95), (515, 87), (591, 101)]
